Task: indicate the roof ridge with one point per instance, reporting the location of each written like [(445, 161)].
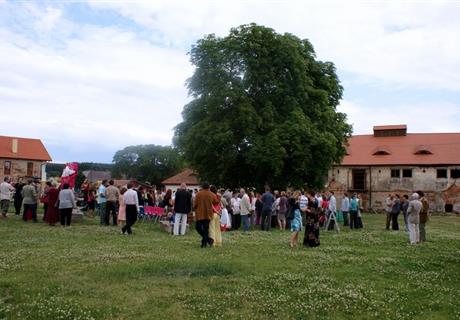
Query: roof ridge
[(13, 137)]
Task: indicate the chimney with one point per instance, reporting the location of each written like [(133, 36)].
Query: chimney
[(390, 131), (15, 145)]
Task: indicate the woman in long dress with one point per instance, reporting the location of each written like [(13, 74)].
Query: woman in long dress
[(122, 208), (296, 223), (311, 237), (214, 225), (52, 212)]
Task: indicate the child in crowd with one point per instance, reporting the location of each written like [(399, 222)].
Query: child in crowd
[(296, 227)]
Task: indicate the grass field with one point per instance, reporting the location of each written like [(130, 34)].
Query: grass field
[(92, 272)]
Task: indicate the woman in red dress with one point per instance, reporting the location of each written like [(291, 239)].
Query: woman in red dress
[(52, 214)]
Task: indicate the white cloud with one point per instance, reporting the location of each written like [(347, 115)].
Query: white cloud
[(48, 19), (410, 43)]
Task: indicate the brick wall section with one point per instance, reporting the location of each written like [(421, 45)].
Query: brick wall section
[(19, 169)]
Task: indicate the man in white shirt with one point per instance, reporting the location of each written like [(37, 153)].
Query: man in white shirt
[(319, 199), (236, 217), (303, 205), (132, 208), (332, 209), (102, 201), (5, 196), (245, 209)]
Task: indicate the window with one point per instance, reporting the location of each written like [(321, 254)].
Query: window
[(359, 179), (441, 173), (407, 173), (455, 173), (395, 173), (381, 151), (30, 169), (423, 150), (7, 168)]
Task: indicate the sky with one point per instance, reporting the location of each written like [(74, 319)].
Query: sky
[(91, 77)]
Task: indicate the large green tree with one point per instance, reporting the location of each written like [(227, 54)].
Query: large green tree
[(147, 163), (263, 111)]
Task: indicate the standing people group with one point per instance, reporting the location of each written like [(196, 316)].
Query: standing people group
[(415, 213), (293, 210)]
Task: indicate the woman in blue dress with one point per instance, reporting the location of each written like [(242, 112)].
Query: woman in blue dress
[(296, 225)]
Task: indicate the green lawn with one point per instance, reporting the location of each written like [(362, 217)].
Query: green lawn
[(89, 271)]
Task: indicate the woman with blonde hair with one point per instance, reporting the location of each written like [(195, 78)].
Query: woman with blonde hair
[(214, 225), (121, 218), (296, 222)]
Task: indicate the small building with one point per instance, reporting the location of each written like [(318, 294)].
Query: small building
[(188, 176), (22, 158), (394, 161)]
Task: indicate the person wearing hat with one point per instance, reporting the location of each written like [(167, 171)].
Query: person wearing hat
[(413, 217)]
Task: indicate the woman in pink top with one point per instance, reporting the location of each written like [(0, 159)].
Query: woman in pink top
[(121, 208)]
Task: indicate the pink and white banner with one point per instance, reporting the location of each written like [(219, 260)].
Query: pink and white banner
[(69, 174)]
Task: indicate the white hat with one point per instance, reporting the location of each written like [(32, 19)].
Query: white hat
[(415, 196)]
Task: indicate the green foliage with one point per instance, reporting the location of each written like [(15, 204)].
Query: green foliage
[(54, 169), (149, 163), (62, 273), (263, 111)]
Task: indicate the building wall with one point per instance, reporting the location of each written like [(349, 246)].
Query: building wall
[(379, 183), (19, 169)]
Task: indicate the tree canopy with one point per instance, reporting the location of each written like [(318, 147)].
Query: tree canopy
[(147, 163), (263, 111)]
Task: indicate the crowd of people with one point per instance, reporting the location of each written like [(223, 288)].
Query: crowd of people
[(58, 203), (415, 214), (214, 210), (222, 210)]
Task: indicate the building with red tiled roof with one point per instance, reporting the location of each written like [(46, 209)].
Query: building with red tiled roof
[(188, 176), (392, 161), (22, 158)]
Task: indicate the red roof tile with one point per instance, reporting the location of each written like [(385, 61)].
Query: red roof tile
[(444, 148), (187, 176), (28, 149)]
